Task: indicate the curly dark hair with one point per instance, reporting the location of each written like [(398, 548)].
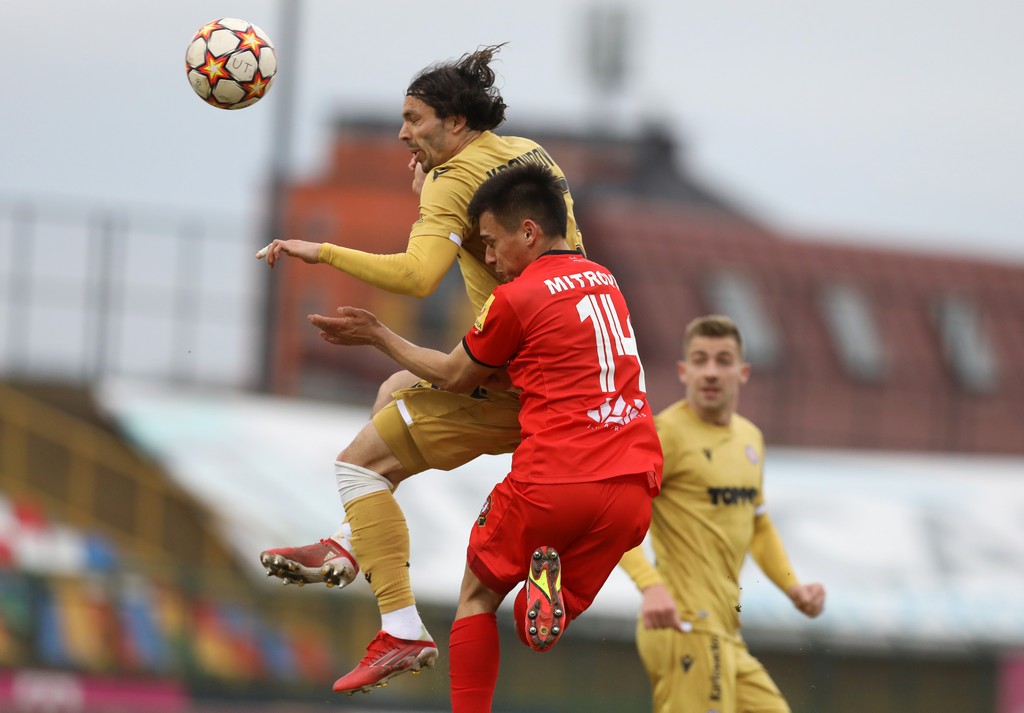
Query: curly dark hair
[(464, 87)]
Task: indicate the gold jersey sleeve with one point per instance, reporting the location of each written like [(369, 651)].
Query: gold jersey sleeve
[(703, 520), (770, 554), (416, 272), (444, 203)]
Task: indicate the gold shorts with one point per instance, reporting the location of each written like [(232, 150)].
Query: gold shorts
[(427, 428), (698, 672)]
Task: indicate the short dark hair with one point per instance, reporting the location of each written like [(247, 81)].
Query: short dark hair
[(519, 192), (464, 87), (715, 326)]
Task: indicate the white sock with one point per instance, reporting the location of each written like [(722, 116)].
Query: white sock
[(344, 537), (405, 623), (354, 481)]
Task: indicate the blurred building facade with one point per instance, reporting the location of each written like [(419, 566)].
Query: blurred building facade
[(850, 347)]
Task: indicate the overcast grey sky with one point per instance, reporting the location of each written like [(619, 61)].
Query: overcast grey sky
[(891, 123)]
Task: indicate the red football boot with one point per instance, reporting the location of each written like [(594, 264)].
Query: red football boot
[(545, 614), (386, 657), (326, 561)]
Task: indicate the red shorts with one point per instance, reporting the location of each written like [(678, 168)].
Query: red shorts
[(590, 525)]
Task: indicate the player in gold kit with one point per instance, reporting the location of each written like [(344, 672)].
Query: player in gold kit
[(448, 115), (710, 513)]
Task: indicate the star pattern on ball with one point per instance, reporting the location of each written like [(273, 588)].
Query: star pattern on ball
[(256, 87), (250, 40), (213, 68), (206, 30)]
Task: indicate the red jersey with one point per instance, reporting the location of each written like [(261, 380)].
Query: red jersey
[(562, 328)]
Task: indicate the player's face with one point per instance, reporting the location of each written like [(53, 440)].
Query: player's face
[(427, 136), (713, 372), (507, 250)]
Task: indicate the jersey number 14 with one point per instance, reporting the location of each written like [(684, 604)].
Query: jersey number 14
[(610, 338)]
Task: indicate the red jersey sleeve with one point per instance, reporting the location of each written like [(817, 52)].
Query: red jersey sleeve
[(497, 334)]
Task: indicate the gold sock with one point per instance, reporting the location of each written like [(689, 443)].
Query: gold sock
[(380, 537)]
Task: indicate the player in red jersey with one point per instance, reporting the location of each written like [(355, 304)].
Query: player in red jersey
[(579, 493)]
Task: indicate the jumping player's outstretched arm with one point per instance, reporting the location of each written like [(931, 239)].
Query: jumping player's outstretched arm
[(455, 371), (416, 272)]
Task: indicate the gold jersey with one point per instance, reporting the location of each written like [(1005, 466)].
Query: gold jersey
[(703, 521), (448, 189)]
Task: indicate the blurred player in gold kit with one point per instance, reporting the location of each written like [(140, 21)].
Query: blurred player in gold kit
[(710, 513), (448, 115)]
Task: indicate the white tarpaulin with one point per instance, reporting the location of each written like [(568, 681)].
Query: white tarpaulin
[(915, 550)]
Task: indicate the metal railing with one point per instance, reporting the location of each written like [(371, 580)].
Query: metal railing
[(87, 293), (91, 479)]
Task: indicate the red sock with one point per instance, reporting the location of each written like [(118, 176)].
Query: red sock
[(473, 656), (519, 615)]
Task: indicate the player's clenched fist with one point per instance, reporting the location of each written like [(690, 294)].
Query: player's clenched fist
[(658, 609), (808, 598)]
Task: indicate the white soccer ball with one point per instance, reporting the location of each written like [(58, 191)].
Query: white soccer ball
[(230, 63)]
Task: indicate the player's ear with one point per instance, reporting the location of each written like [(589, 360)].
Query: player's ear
[(458, 123), (681, 370), (530, 230), (744, 372)]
